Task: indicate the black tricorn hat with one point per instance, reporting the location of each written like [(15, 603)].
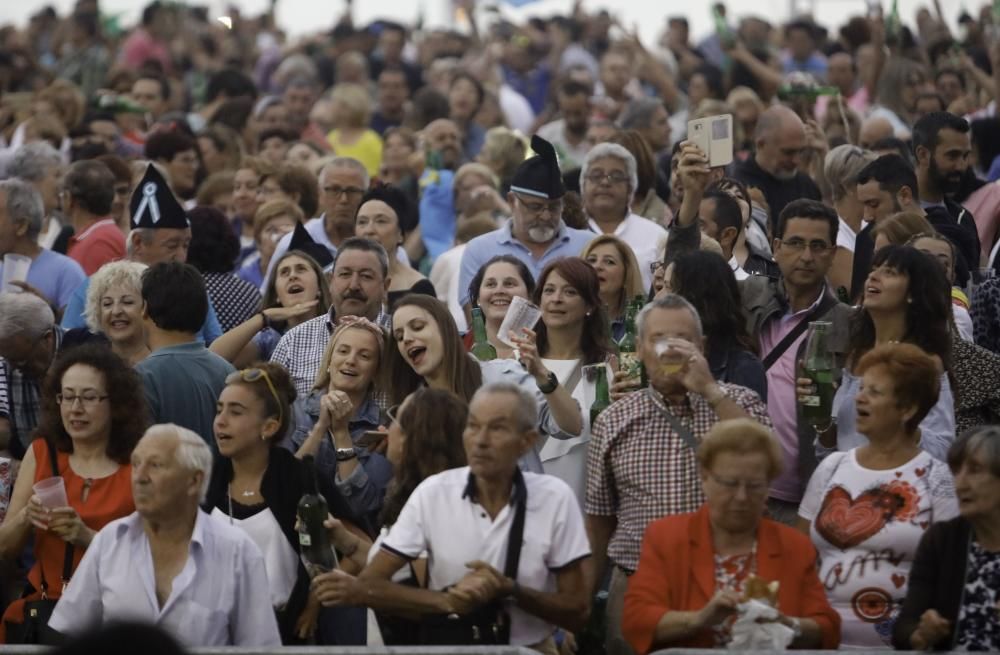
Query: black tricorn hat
[(153, 204), (304, 243), (539, 176)]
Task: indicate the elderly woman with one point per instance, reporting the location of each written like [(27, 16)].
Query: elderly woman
[(114, 309), (951, 602), (619, 276), (608, 181), (273, 220), (351, 136), (531, 567), (246, 183), (841, 168), (694, 568), (93, 414), (899, 487), (493, 288), (292, 183)]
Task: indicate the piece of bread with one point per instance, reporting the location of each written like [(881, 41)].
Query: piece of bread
[(759, 589)]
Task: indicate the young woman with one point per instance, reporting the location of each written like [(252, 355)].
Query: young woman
[(619, 276), (492, 289), (114, 309), (465, 97)]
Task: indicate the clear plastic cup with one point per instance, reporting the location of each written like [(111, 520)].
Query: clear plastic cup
[(671, 361), (521, 314), (15, 269), (52, 492)]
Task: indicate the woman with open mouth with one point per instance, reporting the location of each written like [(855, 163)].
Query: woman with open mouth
[(619, 277), (493, 288), (114, 309)]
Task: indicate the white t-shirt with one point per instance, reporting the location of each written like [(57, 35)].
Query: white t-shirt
[(866, 525), (846, 237)]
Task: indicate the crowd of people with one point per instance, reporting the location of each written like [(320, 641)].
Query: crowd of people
[(241, 269)]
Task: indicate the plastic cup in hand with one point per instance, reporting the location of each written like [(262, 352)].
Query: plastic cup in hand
[(15, 269), (520, 314), (52, 492), (671, 360)]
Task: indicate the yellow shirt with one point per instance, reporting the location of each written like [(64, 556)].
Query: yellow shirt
[(367, 149)]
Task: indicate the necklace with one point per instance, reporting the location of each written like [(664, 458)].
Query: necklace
[(247, 494)]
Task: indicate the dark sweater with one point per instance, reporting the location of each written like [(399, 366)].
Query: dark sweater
[(777, 192)]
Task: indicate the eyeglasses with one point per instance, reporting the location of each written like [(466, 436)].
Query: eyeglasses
[(596, 177), (337, 191), (538, 208), (655, 266), (753, 488), (88, 400), (252, 375), (816, 247)]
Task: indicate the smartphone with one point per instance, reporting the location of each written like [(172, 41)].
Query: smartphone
[(714, 135), (371, 438)]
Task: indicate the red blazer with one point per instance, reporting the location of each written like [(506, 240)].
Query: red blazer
[(677, 573)]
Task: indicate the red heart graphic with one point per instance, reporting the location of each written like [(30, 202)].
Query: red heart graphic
[(920, 472), (924, 524), (899, 474), (845, 523), (898, 580)]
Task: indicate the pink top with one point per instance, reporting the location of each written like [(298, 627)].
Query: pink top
[(99, 244), (984, 203), (140, 46)]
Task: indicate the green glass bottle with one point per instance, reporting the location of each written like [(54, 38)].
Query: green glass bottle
[(314, 540), (628, 356), (482, 349), (611, 331), (602, 398), (817, 365)]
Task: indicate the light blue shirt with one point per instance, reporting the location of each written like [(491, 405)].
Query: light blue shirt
[(55, 275), (218, 599), (568, 243)]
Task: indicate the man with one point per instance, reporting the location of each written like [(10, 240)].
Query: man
[(443, 137), (299, 96), (779, 311), (391, 44), (29, 342), (649, 117), (41, 165), (842, 73), (342, 184), (151, 40), (88, 196), (182, 378), (873, 130), (152, 93), (392, 95), (160, 233), (51, 276), (607, 183), (223, 85), (536, 234), (623, 496), (359, 287), (613, 91), (568, 134), (177, 153), (720, 218), (779, 139), (800, 36), (169, 563)]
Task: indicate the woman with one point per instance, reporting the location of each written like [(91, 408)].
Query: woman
[(351, 136), (898, 87), (706, 281), (906, 299), (645, 202), (93, 413), (429, 352), (386, 216), (296, 292), (493, 287), (256, 486), (292, 183), (214, 249), (217, 191), (864, 567), (475, 191), (619, 276), (272, 221), (503, 151), (220, 149), (694, 568), (572, 333), (841, 168), (114, 309), (341, 408), (246, 182), (400, 144), (465, 97), (951, 600), (899, 228)]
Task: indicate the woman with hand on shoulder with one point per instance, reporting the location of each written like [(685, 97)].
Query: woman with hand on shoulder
[(619, 276), (93, 413), (114, 309), (492, 289), (273, 220)]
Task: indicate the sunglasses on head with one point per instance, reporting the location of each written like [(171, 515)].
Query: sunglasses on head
[(253, 375)]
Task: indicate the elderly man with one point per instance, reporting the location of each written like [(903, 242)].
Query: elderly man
[(779, 140), (41, 165), (51, 276), (29, 342), (623, 496), (169, 563), (568, 134), (443, 137), (467, 520), (536, 234), (88, 195), (359, 287), (608, 181)]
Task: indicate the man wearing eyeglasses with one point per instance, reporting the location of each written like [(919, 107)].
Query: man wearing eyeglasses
[(779, 311), (536, 234)]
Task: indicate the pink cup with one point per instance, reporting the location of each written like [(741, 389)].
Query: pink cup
[(52, 492)]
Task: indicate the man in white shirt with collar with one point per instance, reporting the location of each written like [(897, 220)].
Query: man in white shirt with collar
[(169, 563), (608, 181)]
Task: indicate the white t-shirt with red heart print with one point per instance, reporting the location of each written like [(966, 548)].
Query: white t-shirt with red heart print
[(866, 525)]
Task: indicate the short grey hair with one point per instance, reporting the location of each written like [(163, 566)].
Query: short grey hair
[(347, 162), (638, 114), (606, 149), (145, 234), (24, 314), (24, 204), (527, 406), (365, 245), (113, 274), (667, 301), (193, 454), (984, 440), (33, 160)]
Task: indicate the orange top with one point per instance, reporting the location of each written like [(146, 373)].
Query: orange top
[(677, 573)]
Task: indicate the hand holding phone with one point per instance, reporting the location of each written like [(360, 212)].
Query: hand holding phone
[(714, 135)]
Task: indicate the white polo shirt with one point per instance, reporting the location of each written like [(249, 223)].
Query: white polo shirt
[(646, 238), (443, 520)]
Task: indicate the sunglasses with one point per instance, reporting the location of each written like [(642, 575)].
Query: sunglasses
[(252, 375)]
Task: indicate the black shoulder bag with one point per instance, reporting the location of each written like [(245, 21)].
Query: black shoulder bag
[(35, 629), (488, 625), (825, 305)]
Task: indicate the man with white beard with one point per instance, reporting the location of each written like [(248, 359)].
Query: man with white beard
[(779, 142), (536, 233)]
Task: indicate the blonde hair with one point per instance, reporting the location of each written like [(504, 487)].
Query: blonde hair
[(632, 282), (503, 150), (475, 168), (742, 436), (356, 103), (842, 166), (121, 273), (351, 323), (901, 227), (273, 209)]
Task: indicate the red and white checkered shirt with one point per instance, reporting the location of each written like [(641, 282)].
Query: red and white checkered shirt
[(640, 469)]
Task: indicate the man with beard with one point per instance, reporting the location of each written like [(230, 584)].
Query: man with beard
[(779, 139), (536, 234), (568, 134), (443, 137)]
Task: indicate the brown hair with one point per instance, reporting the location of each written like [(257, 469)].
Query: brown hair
[(742, 436), (278, 403), (899, 227), (215, 185), (645, 163), (271, 295), (632, 283), (916, 376), (595, 342), (271, 210)]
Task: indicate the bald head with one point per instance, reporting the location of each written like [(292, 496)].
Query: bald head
[(874, 130), (780, 138), (444, 137)]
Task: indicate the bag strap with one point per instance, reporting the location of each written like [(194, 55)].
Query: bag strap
[(574, 377), (686, 435), (67, 571), (825, 304), (517, 527)]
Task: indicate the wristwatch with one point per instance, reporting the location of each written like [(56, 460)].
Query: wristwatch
[(550, 385), (344, 454)]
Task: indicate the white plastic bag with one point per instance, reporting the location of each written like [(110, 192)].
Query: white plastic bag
[(749, 634)]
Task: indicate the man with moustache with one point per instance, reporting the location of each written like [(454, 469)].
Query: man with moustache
[(779, 140), (536, 234)]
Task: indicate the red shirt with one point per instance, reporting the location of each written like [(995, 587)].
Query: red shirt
[(99, 244)]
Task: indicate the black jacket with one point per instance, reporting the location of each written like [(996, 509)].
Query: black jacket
[(957, 224), (777, 192), (937, 581)]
